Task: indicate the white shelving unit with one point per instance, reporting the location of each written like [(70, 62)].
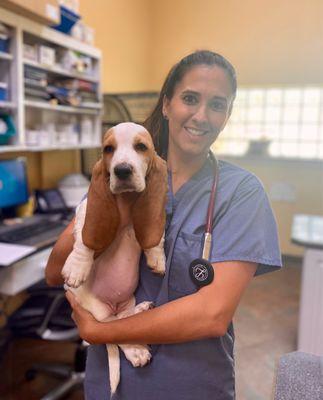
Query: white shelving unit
[(31, 114)]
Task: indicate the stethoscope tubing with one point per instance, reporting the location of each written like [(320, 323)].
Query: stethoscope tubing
[(210, 211), (201, 270), (209, 218)]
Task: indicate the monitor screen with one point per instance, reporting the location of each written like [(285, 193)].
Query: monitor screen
[(13, 183)]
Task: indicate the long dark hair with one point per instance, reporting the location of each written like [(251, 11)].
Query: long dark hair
[(155, 123)]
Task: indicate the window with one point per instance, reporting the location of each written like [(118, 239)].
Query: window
[(289, 121)]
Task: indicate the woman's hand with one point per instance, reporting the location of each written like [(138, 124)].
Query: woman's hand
[(86, 323)]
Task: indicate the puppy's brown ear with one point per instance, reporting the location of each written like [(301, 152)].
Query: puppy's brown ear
[(148, 213), (102, 215)]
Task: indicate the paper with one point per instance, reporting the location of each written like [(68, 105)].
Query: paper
[(10, 253)]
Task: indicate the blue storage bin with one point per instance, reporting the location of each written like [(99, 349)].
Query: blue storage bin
[(11, 130), (68, 20), (3, 91), (4, 43)]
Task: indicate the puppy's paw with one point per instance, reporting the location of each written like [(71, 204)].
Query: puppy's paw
[(144, 306), (156, 259), (137, 354), (76, 271)]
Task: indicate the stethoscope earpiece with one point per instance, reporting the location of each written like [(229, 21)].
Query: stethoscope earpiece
[(201, 272)]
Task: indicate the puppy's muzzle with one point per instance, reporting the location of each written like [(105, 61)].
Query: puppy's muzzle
[(123, 171)]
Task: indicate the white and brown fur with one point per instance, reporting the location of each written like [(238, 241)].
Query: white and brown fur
[(122, 215)]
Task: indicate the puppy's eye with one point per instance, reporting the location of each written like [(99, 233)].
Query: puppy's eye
[(108, 149), (140, 147)]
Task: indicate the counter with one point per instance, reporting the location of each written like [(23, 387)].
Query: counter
[(307, 231)]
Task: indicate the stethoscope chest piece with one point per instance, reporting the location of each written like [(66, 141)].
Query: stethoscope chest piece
[(201, 272)]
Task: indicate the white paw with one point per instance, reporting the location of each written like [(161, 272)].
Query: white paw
[(137, 354), (156, 259), (144, 306), (76, 271)]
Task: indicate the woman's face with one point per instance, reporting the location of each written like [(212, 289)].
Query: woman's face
[(198, 110)]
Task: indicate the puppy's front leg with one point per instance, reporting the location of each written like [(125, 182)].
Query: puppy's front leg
[(78, 264), (156, 257)]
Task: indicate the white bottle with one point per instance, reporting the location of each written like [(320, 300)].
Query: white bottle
[(86, 130)]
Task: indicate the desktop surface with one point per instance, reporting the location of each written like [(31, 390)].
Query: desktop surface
[(24, 273)]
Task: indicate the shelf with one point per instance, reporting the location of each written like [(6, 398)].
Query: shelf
[(94, 106), (7, 105), (60, 71), (63, 147), (5, 56), (31, 112), (19, 148), (94, 109)]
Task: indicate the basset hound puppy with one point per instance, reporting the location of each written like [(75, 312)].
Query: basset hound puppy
[(122, 215)]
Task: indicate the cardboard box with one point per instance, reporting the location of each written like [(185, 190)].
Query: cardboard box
[(43, 11), (46, 55)]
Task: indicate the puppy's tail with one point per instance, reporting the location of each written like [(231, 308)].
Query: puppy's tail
[(114, 367)]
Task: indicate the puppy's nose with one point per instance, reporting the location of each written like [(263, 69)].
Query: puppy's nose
[(123, 171)]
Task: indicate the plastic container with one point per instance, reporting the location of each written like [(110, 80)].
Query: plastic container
[(73, 188), (4, 38), (5, 135), (86, 130), (3, 91), (259, 147), (4, 43), (68, 20)]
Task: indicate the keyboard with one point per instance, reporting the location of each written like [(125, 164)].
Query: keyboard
[(39, 232)]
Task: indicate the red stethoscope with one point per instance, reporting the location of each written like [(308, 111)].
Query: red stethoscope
[(201, 270)]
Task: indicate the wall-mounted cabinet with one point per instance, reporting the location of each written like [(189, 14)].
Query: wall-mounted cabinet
[(50, 88)]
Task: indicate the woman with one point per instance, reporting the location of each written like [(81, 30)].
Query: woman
[(190, 330)]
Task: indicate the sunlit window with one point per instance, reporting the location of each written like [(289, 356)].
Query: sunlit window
[(278, 122)]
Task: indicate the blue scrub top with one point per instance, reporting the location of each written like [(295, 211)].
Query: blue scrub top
[(244, 229)]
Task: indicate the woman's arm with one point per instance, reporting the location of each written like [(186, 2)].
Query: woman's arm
[(58, 256), (206, 313)]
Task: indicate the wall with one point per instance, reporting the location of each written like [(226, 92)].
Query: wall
[(269, 42), (304, 181), (122, 32)]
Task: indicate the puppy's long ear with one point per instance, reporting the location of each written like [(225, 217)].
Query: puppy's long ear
[(102, 215), (148, 213)]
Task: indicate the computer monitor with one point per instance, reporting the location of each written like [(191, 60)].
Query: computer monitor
[(13, 183)]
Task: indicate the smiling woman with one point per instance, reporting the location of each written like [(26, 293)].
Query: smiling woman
[(190, 330), (198, 111)]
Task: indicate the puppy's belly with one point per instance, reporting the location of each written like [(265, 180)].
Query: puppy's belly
[(114, 277)]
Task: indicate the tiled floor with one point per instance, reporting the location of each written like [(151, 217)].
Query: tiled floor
[(265, 327)]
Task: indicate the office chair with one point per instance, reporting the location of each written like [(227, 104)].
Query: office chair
[(299, 377), (46, 315)]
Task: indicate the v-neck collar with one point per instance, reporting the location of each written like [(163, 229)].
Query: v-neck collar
[(173, 200)]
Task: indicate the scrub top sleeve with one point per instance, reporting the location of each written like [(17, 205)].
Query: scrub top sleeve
[(247, 230)]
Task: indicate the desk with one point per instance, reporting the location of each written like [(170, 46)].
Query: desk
[(24, 273), (307, 231)]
